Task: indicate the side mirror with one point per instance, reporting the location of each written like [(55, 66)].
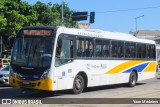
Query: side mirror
[(11, 40)]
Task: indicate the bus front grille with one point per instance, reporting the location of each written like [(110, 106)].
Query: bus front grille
[(26, 85)]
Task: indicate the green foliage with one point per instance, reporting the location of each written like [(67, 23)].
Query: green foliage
[(16, 14), (3, 23)]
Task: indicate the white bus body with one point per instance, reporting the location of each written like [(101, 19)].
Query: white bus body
[(78, 72)]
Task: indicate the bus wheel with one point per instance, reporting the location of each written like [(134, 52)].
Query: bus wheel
[(132, 79), (78, 84)]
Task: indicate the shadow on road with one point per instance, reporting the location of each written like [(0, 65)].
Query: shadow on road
[(106, 87), (9, 92)]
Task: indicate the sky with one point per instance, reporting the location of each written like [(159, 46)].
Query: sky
[(117, 21)]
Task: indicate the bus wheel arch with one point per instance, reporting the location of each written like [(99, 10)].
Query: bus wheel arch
[(133, 78), (80, 82)]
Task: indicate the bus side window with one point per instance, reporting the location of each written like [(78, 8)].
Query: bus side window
[(133, 50), (143, 51), (148, 51), (80, 47), (98, 48), (64, 52), (114, 49), (106, 48), (153, 52), (89, 47), (127, 50), (139, 50)]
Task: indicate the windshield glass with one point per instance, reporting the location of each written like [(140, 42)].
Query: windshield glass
[(6, 68), (33, 51)]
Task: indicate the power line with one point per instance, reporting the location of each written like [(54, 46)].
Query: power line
[(134, 9)]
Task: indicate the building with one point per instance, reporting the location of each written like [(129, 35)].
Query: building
[(84, 26)]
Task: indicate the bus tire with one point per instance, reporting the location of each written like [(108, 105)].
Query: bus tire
[(132, 79), (78, 84)]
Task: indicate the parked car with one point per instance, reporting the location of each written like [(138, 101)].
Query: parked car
[(4, 75)]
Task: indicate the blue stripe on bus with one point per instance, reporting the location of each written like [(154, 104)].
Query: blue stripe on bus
[(138, 68)]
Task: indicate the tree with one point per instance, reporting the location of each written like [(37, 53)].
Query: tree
[(3, 20), (30, 14), (16, 14), (51, 14), (44, 13), (15, 20)]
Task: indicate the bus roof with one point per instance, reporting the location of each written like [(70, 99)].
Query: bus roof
[(95, 33), (104, 34)]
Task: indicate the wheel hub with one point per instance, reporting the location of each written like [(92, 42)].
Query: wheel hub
[(78, 84)]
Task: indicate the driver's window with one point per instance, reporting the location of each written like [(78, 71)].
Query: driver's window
[(64, 51), (67, 47)]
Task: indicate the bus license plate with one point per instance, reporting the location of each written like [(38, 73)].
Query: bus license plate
[(25, 82)]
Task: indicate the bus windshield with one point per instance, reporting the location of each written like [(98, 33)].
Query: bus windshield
[(33, 51)]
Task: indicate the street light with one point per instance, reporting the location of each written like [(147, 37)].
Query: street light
[(136, 20)]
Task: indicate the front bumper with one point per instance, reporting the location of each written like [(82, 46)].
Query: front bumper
[(45, 84)]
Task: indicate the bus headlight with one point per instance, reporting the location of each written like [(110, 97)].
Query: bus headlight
[(45, 74), (12, 72)]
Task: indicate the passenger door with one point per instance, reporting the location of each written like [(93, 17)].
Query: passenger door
[(64, 62)]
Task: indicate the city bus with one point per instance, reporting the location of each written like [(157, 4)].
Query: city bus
[(60, 58)]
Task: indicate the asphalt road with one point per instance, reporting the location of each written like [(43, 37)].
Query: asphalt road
[(145, 89)]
